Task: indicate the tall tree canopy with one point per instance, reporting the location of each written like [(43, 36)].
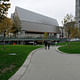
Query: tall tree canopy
[(4, 6)]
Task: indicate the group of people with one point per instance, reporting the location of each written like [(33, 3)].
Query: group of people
[(47, 44)]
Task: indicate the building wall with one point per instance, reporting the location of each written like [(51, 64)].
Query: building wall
[(29, 35), (38, 27), (77, 13), (34, 22), (77, 8)]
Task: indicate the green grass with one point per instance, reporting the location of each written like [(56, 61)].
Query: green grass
[(63, 43), (73, 49), (10, 64)]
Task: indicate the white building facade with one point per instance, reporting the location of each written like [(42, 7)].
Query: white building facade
[(35, 25)]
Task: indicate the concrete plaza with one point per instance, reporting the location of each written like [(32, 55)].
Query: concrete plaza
[(52, 65)]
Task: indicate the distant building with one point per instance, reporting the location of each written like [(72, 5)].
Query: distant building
[(77, 14), (34, 24), (61, 32)]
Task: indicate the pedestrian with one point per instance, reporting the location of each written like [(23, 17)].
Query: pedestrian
[(49, 44), (46, 44)]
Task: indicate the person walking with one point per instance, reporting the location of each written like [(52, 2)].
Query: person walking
[(46, 44), (49, 44)]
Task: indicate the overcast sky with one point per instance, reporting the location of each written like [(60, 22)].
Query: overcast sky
[(53, 8)]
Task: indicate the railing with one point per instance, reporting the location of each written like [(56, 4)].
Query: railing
[(26, 39)]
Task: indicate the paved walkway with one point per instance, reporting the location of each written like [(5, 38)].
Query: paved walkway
[(51, 65)]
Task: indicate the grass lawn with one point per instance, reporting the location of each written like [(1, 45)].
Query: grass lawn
[(9, 64), (73, 49)]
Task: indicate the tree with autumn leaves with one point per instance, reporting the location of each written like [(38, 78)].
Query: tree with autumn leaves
[(4, 6), (5, 25), (5, 22), (45, 35)]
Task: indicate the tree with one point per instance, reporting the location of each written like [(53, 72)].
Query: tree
[(68, 18), (79, 34), (46, 35), (69, 26), (69, 29), (4, 6), (74, 32), (5, 24)]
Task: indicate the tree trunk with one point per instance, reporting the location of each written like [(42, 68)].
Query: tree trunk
[(68, 40)]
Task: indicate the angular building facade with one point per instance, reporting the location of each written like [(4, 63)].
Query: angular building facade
[(34, 24)]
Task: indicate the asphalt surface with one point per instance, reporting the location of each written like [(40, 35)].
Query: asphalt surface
[(52, 65)]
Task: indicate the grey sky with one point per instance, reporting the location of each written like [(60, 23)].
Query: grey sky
[(53, 8)]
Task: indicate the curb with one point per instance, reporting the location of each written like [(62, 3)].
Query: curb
[(24, 67), (59, 50), (62, 52)]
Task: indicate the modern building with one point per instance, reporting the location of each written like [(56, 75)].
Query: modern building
[(34, 24), (77, 13)]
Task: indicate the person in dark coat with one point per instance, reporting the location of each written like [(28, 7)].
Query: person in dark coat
[(46, 44)]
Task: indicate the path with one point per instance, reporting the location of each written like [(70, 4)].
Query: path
[(51, 65)]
